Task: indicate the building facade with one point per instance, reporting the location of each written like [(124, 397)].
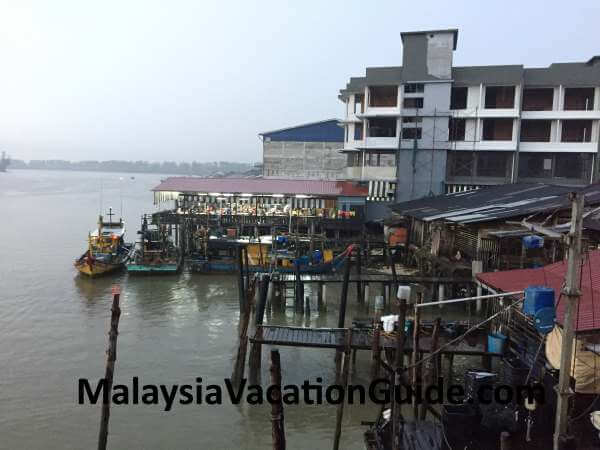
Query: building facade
[(310, 152), (427, 127)]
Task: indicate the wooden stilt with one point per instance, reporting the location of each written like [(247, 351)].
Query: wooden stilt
[(342, 312), (320, 305), (359, 291), (398, 366), (375, 352), (111, 357), (277, 422), (240, 360), (430, 367), (344, 382), (256, 350), (241, 284)]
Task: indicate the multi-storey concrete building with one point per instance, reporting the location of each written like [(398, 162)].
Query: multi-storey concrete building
[(427, 127), (310, 151)]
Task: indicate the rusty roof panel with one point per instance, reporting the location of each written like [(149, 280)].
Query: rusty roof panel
[(262, 186)]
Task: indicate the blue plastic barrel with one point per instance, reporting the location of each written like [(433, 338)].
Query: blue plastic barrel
[(536, 298), (533, 241), (496, 343)]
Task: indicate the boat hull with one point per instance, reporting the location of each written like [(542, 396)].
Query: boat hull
[(154, 269), (97, 269)]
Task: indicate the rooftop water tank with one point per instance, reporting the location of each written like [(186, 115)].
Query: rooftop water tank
[(533, 241), (536, 298)]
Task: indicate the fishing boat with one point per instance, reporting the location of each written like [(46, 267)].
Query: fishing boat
[(264, 255), (107, 252), (155, 253)]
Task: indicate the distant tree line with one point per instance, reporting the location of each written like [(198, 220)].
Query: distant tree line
[(218, 168)]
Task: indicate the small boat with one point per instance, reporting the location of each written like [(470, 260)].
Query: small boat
[(154, 253), (107, 252)]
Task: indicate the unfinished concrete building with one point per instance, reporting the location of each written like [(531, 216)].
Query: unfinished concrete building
[(310, 152), (427, 127)]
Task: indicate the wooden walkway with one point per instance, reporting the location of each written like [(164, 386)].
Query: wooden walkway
[(365, 278), (362, 339)]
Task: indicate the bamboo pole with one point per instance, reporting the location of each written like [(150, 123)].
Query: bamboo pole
[(375, 352), (277, 418), (111, 357), (340, 409)]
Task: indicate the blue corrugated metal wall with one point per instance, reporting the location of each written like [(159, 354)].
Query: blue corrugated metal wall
[(327, 131)]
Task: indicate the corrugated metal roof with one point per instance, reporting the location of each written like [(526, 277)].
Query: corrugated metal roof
[(553, 275), (322, 131), (262, 186), (494, 202)]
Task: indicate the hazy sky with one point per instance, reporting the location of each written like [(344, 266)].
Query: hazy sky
[(198, 80)]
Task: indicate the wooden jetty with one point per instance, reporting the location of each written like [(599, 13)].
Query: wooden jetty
[(362, 339)]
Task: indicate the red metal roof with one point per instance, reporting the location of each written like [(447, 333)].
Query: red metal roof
[(262, 186), (553, 275)]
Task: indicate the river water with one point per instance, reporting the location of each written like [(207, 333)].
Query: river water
[(173, 329)]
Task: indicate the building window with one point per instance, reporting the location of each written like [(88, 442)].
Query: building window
[(358, 131), (372, 159), (535, 130), (497, 129), (535, 165), (460, 164), (413, 102), (492, 164), (538, 99), (413, 88), (568, 165), (383, 96), (353, 159), (382, 127), (411, 133), (576, 131), (499, 97), (412, 119), (579, 99), (456, 129), (458, 98), (359, 103)]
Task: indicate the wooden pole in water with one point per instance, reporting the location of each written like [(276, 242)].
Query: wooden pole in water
[(430, 366), (241, 284), (342, 313), (340, 409), (256, 350), (111, 357), (277, 422), (240, 360)]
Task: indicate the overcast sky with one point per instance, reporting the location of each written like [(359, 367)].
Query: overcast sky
[(198, 80)]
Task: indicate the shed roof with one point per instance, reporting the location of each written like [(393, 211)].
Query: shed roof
[(261, 186), (321, 131), (494, 202), (553, 275)]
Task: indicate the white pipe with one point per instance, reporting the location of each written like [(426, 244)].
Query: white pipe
[(466, 299)]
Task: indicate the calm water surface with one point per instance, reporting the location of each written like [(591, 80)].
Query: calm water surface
[(54, 331)]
